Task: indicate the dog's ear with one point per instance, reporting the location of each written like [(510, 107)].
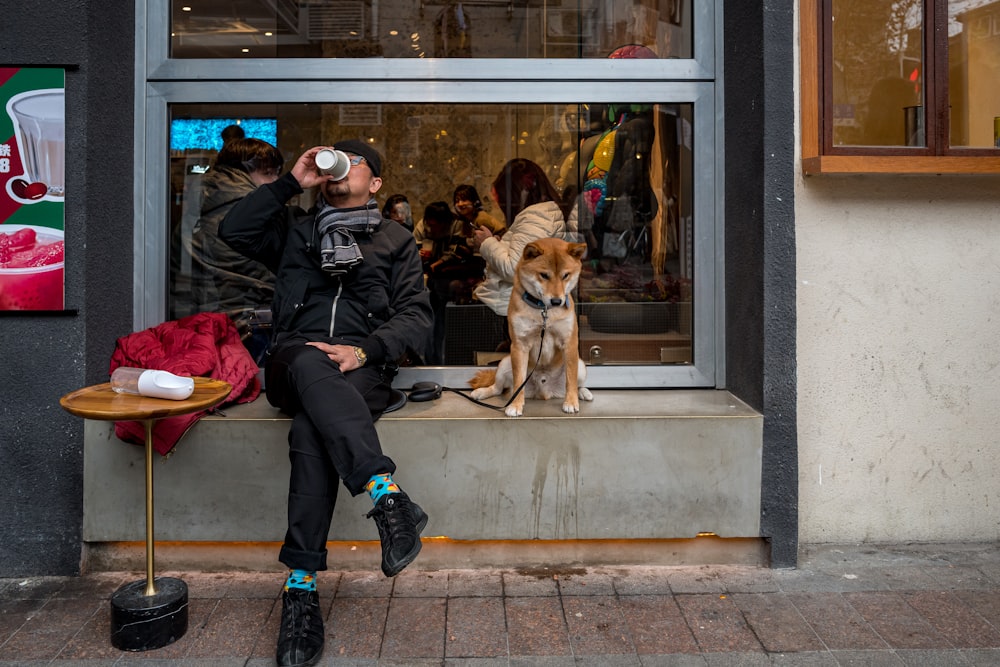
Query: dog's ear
[(578, 250), (532, 250)]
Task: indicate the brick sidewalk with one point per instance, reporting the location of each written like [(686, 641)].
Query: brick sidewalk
[(921, 605)]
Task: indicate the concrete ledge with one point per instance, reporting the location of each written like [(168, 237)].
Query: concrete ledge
[(634, 465)]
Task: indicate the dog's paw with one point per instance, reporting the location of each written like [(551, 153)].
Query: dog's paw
[(585, 394), (570, 408), (481, 393), (513, 411)]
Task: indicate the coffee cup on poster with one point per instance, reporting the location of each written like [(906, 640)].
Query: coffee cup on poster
[(332, 162)]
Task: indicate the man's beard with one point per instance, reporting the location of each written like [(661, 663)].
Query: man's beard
[(337, 189)]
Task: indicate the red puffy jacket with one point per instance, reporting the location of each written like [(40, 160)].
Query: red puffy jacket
[(207, 345)]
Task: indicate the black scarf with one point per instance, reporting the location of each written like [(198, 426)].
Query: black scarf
[(338, 250)]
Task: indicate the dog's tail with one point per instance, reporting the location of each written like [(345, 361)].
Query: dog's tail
[(484, 378)]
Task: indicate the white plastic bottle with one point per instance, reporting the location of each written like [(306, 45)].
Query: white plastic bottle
[(156, 384)]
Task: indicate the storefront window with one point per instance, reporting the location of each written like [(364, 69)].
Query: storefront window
[(624, 173), (910, 74), (428, 28)]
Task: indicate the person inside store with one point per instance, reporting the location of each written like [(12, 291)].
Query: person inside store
[(224, 280), (397, 207), (532, 210), (231, 133), (349, 301), (449, 264), (469, 209)]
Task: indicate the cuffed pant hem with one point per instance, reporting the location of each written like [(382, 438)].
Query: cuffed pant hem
[(295, 559)]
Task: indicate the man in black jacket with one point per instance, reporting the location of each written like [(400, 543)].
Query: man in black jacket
[(349, 300)]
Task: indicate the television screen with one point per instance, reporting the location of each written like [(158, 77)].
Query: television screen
[(206, 133)]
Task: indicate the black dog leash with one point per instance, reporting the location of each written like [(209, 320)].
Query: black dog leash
[(430, 390)]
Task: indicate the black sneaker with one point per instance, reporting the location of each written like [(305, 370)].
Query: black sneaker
[(399, 521), (300, 642)]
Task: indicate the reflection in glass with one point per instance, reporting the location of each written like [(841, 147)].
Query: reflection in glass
[(974, 70), (878, 73), (428, 28), (624, 172)]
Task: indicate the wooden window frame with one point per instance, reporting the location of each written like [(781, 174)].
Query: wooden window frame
[(819, 156)]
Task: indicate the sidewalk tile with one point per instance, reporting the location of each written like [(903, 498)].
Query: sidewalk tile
[(471, 583), (100, 585), (737, 659), (835, 622), (267, 638), (673, 660), (355, 626), (14, 614), (925, 658), (861, 658), (702, 579), (982, 657), (641, 581), (717, 624), (747, 579), (543, 661), (45, 632), (232, 629), (262, 585), (962, 626), (656, 625), (415, 628), (818, 659), (777, 623), (364, 584), (619, 660), (986, 604), (516, 584), (960, 577), (476, 628), (421, 584), (202, 585), (596, 626), (805, 581), (590, 583), (92, 641), (895, 621), (34, 588), (535, 627)]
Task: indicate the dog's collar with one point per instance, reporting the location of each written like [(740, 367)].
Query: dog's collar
[(537, 303)]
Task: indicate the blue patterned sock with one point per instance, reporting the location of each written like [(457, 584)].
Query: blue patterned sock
[(301, 579), (381, 485)]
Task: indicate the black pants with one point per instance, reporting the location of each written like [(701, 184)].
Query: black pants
[(332, 438)]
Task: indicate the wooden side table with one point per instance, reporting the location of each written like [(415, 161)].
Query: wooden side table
[(151, 613)]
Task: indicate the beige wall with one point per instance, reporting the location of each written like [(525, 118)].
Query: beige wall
[(898, 358)]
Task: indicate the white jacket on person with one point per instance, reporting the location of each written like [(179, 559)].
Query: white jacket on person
[(540, 220)]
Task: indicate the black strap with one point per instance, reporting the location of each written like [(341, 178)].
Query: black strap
[(541, 339)]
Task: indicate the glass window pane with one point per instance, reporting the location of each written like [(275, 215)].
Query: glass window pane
[(430, 29), (623, 174), (878, 73), (974, 70)]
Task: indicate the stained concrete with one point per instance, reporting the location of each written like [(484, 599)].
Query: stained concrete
[(632, 465)]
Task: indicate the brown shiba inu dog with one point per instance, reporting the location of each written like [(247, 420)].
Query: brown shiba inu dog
[(542, 322)]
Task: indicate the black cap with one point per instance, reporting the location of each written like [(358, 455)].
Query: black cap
[(359, 147)]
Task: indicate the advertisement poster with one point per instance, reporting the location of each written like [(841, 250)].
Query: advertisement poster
[(32, 188)]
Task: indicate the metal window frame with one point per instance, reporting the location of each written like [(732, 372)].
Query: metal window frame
[(161, 82)]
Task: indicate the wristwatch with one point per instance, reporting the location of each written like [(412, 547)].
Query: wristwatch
[(360, 355)]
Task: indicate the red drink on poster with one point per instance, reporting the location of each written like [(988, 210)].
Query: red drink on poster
[(31, 268)]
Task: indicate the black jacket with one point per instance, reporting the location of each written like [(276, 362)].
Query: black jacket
[(381, 306)]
